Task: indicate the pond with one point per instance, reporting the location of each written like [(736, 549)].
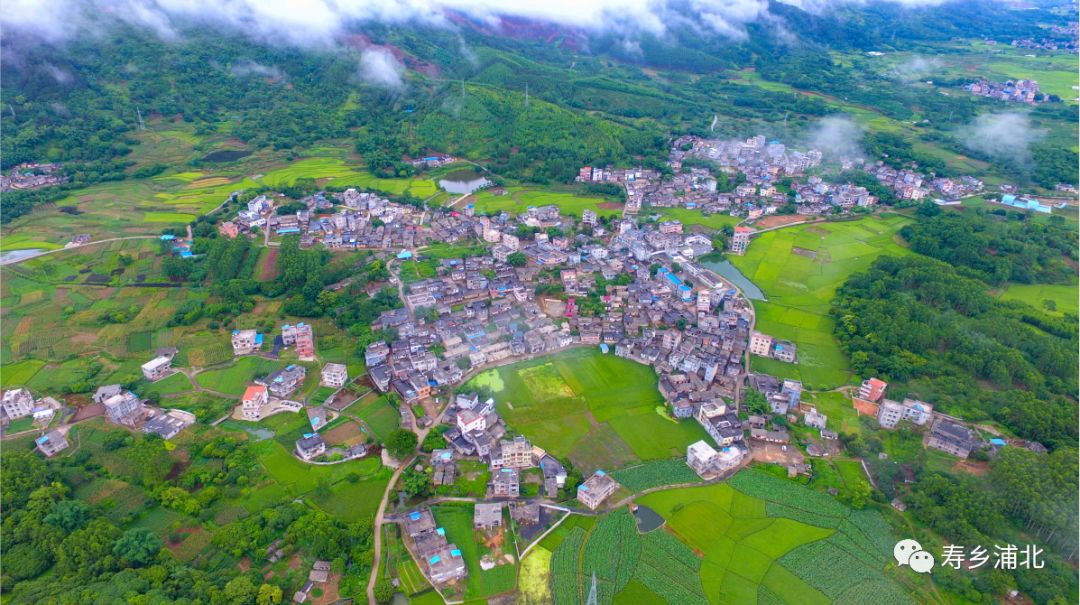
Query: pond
[(647, 519), (463, 186), (731, 273), (14, 256), (226, 155)]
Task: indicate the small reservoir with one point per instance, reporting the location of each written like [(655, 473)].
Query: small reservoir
[(731, 273), (463, 180)]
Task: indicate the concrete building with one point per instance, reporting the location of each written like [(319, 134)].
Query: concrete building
[(311, 445), (815, 419), (740, 240), (760, 344), (245, 342), (505, 483), (335, 375), (488, 515), (514, 453), (284, 381), (890, 412), (51, 443), (596, 489), (17, 403), (872, 389), (255, 397), (953, 438), (124, 408), (157, 368)]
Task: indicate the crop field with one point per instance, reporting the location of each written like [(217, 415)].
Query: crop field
[(758, 538), (655, 474), (837, 406), (519, 198), (800, 289), (597, 409)]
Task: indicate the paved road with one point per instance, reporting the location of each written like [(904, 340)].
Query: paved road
[(16, 261)]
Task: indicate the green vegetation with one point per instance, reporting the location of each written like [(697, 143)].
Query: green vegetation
[(938, 333), (799, 269), (595, 409), (655, 474), (457, 520)]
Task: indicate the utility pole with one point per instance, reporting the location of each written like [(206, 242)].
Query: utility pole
[(592, 591)]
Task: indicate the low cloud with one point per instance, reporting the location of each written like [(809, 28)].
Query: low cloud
[(837, 137), (319, 22), (380, 67), (915, 68), (245, 69), (1002, 135)]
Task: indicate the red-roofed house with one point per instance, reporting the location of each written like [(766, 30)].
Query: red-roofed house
[(255, 397), (872, 389)]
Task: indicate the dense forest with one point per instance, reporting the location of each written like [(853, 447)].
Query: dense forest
[(998, 246), (92, 559), (919, 322)]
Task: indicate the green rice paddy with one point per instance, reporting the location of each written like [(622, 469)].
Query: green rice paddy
[(800, 269), (596, 409)]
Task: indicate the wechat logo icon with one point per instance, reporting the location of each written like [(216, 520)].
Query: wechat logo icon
[(910, 553)]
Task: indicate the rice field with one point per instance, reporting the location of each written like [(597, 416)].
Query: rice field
[(597, 409), (800, 288)]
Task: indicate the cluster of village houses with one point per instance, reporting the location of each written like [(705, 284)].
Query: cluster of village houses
[(1020, 91), (349, 219), (762, 164), (121, 406), (32, 176)]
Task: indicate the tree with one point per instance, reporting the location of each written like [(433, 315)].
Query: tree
[(268, 595), (401, 443), (384, 590), (416, 483), (516, 259), (137, 547), (69, 515), (240, 591)]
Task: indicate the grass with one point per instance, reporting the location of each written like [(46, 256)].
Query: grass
[(534, 584), (689, 218), (837, 406), (235, 378), (800, 289), (519, 198), (1066, 298), (596, 409)]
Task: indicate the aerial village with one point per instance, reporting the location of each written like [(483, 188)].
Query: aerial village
[(534, 292)]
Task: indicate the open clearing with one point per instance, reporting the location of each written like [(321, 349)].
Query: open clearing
[(800, 288), (597, 409)]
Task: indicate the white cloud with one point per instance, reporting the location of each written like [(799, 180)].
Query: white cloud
[(837, 136), (380, 67), (915, 68), (318, 22), (1002, 135)]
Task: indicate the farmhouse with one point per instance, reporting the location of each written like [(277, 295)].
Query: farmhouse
[(506, 483), (513, 453), (596, 489), (760, 344), (815, 419), (740, 240), (245, 342), (890, 413), (284, 381), (488, 515), (554, 475), (17, 403), (708, 462), (302, 337), (310, 446), (157, 368), (51, 443), (722, 424), (169, 424), (335, 375), (123, 408), (953, 438), (872, 389), (251, 404)]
